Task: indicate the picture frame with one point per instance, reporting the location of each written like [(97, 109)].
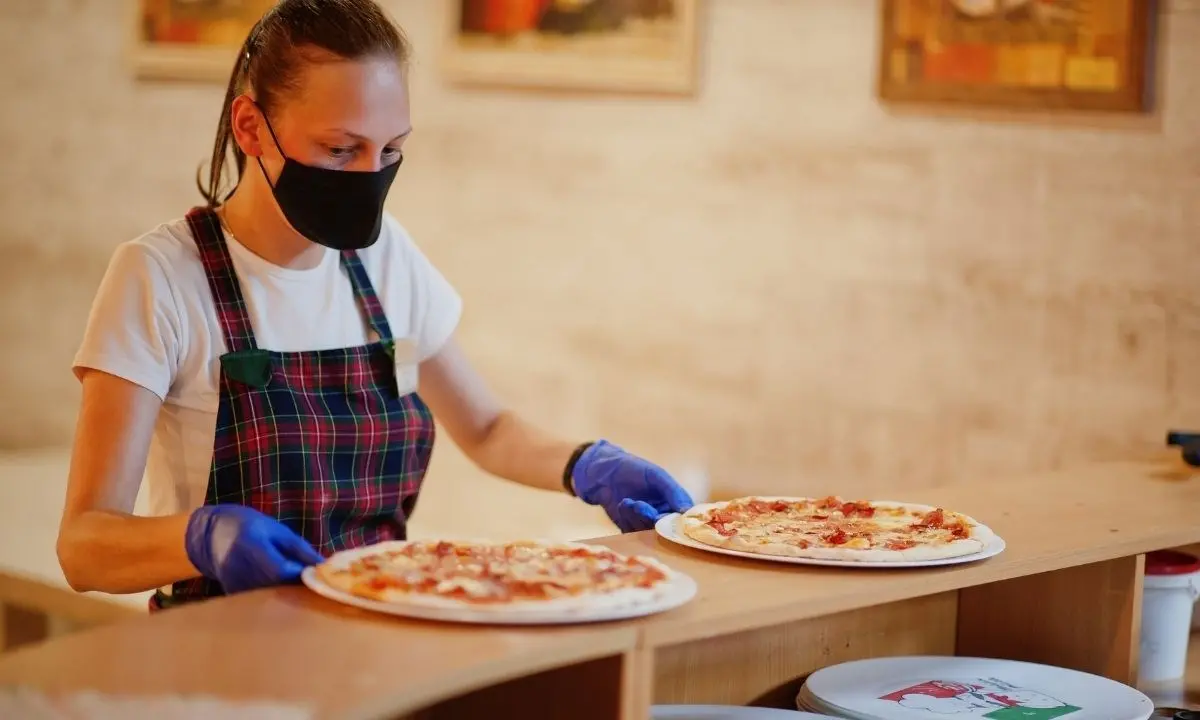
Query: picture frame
[(1057, 55), (629, 46), (190, 40)]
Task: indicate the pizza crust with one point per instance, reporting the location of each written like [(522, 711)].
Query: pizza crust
[(332, 573), (692, 523)]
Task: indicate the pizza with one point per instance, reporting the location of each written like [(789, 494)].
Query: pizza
[(832, 528), (503, 576)]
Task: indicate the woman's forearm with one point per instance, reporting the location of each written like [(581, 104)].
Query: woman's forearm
[(117, 553), (516, 450)]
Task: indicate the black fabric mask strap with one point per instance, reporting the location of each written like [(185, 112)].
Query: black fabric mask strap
[(274, 139)]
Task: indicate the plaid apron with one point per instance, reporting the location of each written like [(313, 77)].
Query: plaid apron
[(320, 440)]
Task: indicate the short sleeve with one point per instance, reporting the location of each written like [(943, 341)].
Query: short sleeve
[(436, 304), (133, 329)]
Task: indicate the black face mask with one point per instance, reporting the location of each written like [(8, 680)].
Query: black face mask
[(339, 209)]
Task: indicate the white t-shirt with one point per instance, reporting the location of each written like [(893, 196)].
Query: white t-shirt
[(154, 323)]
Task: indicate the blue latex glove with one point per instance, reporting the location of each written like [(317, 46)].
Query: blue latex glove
[(243, 549), (634, 492)]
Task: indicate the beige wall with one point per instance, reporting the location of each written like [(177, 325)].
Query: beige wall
[(779, 279)]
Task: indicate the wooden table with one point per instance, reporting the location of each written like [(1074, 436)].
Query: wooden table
[(35, 600), (1067, 591)]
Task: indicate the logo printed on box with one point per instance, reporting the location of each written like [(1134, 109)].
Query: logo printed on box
[(988, 698)]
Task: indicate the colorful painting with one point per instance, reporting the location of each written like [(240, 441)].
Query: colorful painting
[(1043, 54), (591, 45), (192, 39)]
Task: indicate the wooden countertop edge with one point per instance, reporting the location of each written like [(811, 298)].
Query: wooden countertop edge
[(660, 632), (561, 650), (905, 584), (30, 593)]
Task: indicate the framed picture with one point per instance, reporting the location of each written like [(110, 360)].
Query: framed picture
[(643, 46), (191, 39), (1035, 54)]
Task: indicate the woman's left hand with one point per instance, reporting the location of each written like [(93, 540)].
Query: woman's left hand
[(634, 492)]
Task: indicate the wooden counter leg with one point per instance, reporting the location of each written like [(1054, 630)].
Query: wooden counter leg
[(1085, 618), (611, 688), (637, 685)]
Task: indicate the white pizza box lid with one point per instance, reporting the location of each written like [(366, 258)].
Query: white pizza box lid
[(806, 702), (728, 712), (816, 709), (926, 687)]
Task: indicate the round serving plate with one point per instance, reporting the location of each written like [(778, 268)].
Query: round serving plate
[(922, 688), (677, 591), (669, 527)]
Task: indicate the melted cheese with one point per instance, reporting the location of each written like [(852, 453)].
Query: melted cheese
[(499, 572), (825, 523), (472, 587)]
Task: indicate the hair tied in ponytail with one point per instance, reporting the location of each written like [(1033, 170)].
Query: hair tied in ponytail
[(273, 58)]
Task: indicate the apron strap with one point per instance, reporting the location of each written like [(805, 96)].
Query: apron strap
[(222, 280), (364, 292), (227, 291)]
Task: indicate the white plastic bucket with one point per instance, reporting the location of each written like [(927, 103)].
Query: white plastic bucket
[(1169, 593)]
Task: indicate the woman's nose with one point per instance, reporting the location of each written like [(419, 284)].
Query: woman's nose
[(367, 162)]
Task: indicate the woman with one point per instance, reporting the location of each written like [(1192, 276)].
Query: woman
[(273, 362)]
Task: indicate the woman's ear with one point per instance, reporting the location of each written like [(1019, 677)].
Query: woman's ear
[(245, 120)]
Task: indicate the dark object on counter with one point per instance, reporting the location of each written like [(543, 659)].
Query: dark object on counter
[(1173, 713), (1189, 444)]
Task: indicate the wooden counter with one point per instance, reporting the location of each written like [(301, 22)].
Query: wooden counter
[(1067, 591)]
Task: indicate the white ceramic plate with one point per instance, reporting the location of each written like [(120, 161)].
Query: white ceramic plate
[(922, 688), (668, 526), (728, 712), (679, 590)]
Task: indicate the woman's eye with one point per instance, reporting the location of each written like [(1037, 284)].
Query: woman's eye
[(340, 152), (392, 153)]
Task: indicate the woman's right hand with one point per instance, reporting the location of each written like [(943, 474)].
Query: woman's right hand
[(243, 549)]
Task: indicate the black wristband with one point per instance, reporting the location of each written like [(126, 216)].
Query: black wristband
[(569, 470)]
